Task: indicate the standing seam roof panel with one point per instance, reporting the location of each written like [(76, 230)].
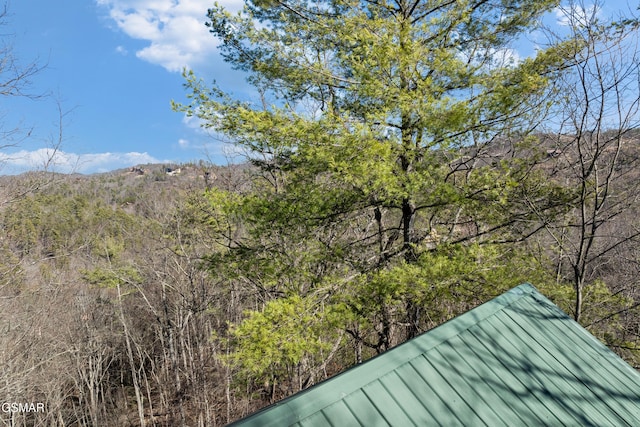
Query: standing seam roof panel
[(464, 408), (486, 382), (568, 390), (549, 378), (523, 386), (593, 380), (524, 355), (446, 358)]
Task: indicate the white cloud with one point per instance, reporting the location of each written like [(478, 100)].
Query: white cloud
[(493, 58), (174, 29), (505, 57), (194, 122), (63, 162), (183, 143), (576, 15)]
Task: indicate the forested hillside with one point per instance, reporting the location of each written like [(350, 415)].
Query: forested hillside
[(113, 312), (402, 165), (107, 316)]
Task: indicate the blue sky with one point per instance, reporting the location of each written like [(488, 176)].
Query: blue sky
[(114, 66)]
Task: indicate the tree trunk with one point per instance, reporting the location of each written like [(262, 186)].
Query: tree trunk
[(134, 373)]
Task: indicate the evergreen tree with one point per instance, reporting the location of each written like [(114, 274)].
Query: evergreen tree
[(392, 139)]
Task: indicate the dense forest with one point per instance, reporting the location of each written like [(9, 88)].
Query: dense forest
[(126, 301), (401, 167)]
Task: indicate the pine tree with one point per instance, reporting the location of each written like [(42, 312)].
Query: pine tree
[(381, 134)]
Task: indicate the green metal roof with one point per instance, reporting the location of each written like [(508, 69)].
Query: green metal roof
[(515, 360)]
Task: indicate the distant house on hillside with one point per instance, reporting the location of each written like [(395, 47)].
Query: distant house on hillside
[(173, 172), (517, 360)]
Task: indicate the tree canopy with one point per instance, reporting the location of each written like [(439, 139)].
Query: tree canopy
[(392, 140), (399, 168)]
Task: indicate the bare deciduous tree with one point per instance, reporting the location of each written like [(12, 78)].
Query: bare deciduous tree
[(16, 79), (594, 153)]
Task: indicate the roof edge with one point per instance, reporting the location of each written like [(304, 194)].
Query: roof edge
[(337, 387)]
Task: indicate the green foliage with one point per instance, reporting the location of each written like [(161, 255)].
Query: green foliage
[(373, 111), (445, 282), (54, 225), (113, 277), (12, 275), (273, 342), (397, 171), (222, 212), (20, 225)]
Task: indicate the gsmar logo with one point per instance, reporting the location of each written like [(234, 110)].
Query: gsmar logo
[(10, 407)]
